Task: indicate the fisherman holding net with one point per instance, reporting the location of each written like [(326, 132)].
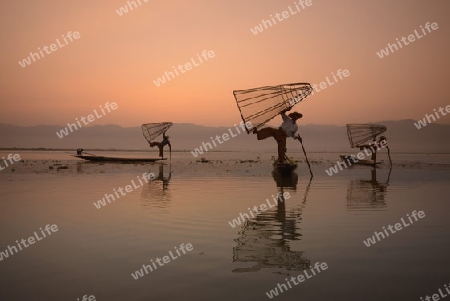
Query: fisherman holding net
[(374, 147), (287, 129), (161, 144)]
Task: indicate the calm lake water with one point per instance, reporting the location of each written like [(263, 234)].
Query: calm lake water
[(95, 251)]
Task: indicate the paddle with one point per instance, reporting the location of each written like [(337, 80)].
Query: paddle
[(306, 157)]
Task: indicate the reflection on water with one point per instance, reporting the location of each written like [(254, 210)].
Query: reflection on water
[(265, 239), (286, 181), (367, 194), (79, 167), (95, 250), (156, 193)]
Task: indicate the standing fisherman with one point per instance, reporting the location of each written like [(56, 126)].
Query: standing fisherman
[(161, 144), (287, 129)]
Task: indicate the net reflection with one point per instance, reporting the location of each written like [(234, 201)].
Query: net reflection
[(156, 192), (265, 239), (367, 194)]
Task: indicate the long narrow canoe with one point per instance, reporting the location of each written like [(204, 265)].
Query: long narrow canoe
[(116, 159)]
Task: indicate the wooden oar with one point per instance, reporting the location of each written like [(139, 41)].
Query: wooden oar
[(306, 157), (389, 154)]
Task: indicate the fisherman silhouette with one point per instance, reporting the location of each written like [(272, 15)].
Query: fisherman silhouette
[(374, 147), (161, 144), (287, 129)]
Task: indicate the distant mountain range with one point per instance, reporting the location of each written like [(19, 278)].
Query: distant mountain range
[(402, 136)]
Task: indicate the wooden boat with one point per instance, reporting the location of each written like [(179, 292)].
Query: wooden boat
[(150, 132), (285, 168), (352, 159), (116, 159)]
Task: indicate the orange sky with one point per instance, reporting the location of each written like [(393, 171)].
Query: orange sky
[(117, 58)]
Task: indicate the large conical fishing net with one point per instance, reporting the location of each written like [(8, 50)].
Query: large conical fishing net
[(259, 105), (361, 133), (264, 242), (152, 131)]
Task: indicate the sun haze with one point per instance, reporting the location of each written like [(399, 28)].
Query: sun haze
[(113, 51)]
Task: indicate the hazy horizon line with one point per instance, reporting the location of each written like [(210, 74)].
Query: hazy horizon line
[(221, 126), (211, 151)]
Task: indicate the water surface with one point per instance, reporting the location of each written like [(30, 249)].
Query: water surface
[(95, 250)]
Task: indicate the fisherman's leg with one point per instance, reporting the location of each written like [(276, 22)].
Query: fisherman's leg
[(266, 133), (281, 141), (281, 150), (161, 151)]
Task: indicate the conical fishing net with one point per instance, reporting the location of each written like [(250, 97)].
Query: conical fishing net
[(361, 133), (260, 105), (151, 131)]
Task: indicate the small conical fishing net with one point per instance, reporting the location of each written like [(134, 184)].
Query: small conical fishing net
[(260, 105), (151, 131), (361, 133), (366, 195)]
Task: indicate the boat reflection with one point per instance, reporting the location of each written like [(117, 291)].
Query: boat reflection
[(265, 239), (156, 193), (79, 167), (285, 182), (367, 194)]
